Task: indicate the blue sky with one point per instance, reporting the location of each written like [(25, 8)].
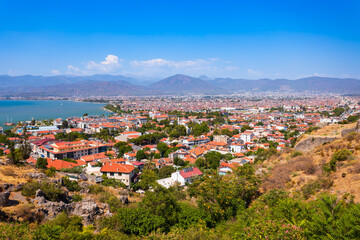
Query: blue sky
[(241, 39)]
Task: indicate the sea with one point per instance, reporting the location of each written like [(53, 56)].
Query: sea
[(24, 110)]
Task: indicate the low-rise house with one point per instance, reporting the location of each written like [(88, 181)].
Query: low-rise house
[(122, 172), (186, 175), (180, 177)]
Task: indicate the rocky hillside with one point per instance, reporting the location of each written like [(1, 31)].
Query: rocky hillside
[(29, 195), (321, 162)]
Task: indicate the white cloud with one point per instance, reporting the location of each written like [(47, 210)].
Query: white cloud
[(254, 73), (111, 64), (74, 70), (55, 72)]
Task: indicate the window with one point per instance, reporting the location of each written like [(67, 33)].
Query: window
[(111, 174)]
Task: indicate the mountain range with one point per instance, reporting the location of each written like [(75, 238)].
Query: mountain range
[(111, 85)]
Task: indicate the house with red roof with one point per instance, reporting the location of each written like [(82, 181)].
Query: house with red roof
[(186, 175), (122, 172)]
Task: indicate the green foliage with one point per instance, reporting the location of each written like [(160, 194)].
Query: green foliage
[(148, 139), (179, 162), (341, 155), (198, 129), (338, 111), (140, 155), (69, 160), (352, 119), (50, 172), (72, 136), (72, 186), (162, 147), (201, 163), (111, 182), (139, 221), (313, 186), (52, 192), (178, 131), (41, 163), (296, 153), (147, 179), (95, 189), (213, 159), (263, 154), (123, 147), (245, 127), (189, 216), (223, 197), (166, 171), (77, 198), (161, 202)]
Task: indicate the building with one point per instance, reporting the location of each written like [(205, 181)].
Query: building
[(180, 177), (247, 136), (74, 150), (237, 147), (122, 172)]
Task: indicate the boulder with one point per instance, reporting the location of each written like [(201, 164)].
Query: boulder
[(124, 199), (4, 198), (6, 187), (35, 175)]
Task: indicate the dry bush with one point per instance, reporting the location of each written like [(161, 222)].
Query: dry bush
[(8, 171), (281, 174), (25, 212), (305, 164), (355, 168)]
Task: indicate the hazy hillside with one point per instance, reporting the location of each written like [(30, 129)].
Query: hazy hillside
[(184, 84), (97, 85)]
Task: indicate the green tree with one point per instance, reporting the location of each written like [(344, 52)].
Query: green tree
[(179, 162), (147, 179), (41, 163), (166, 171), (140, 155), (213, 159), (162, 147)]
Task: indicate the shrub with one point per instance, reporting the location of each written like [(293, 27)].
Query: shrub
[(72, 186), (110, 199), (77, 198), (296, 153), (341, 155), (314, 185), (139, 221), (50, 172), (96, 189), (51, 191), (41, 163)]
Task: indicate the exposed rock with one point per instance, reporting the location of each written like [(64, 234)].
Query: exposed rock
[(85, 187), (311, 142), (18, 187), (88, 209), (6, 187), (355, 129), (124, 199), (35, 175), (4, 198), (40, 197)]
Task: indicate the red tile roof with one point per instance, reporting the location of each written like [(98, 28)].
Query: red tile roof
[(117, 167), (195, 172)]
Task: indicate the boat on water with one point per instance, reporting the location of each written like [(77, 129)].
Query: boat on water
[(9, 123)]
